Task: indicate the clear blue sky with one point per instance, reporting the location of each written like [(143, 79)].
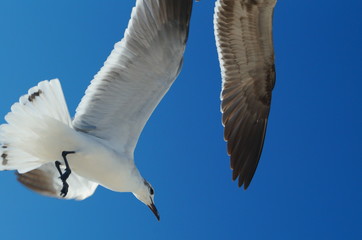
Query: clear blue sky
[(308, 184)]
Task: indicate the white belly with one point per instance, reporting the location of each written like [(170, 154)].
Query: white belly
[(96, 162)]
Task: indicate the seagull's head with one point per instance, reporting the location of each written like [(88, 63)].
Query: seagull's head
[(146, 195)]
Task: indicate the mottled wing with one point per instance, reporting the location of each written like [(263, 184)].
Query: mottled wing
[(137, 74), (243, 31), (45, 180)]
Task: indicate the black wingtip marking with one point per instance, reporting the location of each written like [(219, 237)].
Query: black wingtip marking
[(5, 160), (34, 95)]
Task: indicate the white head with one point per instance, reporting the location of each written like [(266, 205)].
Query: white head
[(146, 195)]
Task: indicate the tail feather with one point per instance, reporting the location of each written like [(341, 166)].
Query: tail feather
[(42, 109)]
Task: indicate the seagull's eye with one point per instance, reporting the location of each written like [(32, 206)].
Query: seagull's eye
[(151, 191)]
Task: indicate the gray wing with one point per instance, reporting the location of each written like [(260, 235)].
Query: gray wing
[(243, 31), (45, 180), (137, 74)]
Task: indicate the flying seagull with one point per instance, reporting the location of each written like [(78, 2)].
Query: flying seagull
[(64, 158), (243, 32)]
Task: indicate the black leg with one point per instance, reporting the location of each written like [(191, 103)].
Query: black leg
[(67, 172), (64, 176), (57, 164)]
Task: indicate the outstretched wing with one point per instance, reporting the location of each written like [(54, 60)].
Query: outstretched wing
[(45, 180), (243, 31), (137, 74)]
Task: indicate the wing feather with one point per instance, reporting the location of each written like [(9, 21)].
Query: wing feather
[(137, 74), (45, 180), (243, 31)]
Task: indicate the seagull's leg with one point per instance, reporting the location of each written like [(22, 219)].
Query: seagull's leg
[(64, 190), (57, 164), (64, 176), (67, 172)]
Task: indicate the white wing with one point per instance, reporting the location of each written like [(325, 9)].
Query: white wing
[(137, 74), (243, 31), (45, 180)]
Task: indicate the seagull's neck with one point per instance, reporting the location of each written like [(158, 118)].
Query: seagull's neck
[(137, 182), (125, 178)]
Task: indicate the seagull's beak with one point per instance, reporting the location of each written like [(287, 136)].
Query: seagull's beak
[(154, 210)]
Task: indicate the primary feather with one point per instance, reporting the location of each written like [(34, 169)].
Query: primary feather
[(243, 32)]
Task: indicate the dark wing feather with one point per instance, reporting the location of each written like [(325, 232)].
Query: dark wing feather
[(45, 180), (243, 31)]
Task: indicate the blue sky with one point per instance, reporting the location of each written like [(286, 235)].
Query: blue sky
[(308, 184)]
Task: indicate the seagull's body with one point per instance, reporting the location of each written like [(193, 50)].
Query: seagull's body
[(99, 142), (96, 161), (243, 32)]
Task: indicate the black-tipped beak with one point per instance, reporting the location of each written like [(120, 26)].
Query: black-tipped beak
[(154, 210)]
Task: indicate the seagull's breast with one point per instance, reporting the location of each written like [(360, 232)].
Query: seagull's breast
[(98, 162)]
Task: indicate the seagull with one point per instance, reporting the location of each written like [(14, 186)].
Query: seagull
[(243, 33), (61, 157)]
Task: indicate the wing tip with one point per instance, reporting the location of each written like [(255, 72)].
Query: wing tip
[(242, 181)]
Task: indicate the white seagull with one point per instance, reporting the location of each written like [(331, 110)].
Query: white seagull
[(51, 152), (243, 32)]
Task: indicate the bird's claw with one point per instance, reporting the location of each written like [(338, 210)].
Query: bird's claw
[(64, 176), (64, 190)]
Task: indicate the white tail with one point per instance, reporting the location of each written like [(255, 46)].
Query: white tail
[(31, 124)]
